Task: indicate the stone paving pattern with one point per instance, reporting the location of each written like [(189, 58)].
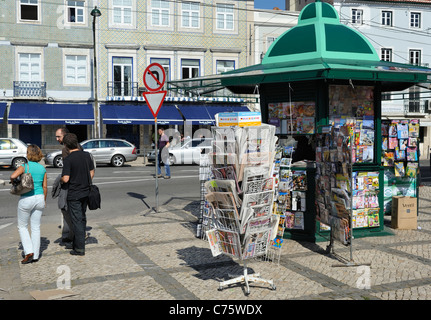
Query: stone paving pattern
[(156, 256)]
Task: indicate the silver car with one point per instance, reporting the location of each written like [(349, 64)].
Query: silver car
[(110, 151), (187, 152), (13, 152)]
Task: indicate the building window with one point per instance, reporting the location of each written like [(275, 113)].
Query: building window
[(225, 16), (29, 67), (415, 20), (386, 54), (160, 13), (76, 69), (122, 67), (415, 57), (224, 66), (190, 14), (165, 63), (29, 10), (387, 18), (357, 15), (75, 11), (122, 11), (190, 68)]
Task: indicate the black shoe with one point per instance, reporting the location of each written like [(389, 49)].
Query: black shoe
[(68, 246), (76, 253), (28, 259)]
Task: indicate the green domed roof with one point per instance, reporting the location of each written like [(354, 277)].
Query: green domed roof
[(319, 34)]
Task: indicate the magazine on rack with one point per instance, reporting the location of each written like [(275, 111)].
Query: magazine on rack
[(226, 173)]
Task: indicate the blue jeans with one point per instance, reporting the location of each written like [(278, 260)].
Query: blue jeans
[(77, 209), (165, 164), (30, 210)]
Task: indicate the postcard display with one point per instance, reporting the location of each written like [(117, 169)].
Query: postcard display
[(400, 144), (240, 194)]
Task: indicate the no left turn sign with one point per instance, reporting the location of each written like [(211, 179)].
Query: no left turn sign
[(154, 77)]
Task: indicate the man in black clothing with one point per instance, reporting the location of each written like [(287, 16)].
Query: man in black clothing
[(78, 169)]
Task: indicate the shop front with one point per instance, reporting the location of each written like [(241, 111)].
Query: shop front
[(318, 81)]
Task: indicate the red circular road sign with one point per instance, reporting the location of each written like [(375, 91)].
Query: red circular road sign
[(154, 77)]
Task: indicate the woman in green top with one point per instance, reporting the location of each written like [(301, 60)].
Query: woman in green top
[(31, 204)]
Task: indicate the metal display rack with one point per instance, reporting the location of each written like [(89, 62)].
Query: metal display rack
[(242, 221)]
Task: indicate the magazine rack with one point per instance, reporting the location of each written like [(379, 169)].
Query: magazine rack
[(240, 195)]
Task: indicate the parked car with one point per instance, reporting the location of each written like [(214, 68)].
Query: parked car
[(13, 152), (187, 152), (110, 151)]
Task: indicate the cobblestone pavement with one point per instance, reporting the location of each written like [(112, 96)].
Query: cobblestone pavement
[(156, 256)]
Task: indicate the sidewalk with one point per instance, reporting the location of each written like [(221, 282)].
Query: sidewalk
[(156, 256)]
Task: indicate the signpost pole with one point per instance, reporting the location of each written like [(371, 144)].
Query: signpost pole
[(157, 164), (154, 79)]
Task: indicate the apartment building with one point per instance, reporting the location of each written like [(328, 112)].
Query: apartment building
[(46, 69), (47, 49)]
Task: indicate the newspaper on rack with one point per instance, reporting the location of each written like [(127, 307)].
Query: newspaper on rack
[(254, 199), (222, 241), (256, 244), (252, 212), (226, 173), (218, 185), (224, 140)]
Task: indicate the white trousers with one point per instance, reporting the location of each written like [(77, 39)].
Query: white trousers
[(30, 210)]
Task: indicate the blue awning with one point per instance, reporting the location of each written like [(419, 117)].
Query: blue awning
[(2, 110), (138, 114), (204, 114), (43, 113)]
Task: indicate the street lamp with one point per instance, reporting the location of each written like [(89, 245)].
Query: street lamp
[(95, 13)]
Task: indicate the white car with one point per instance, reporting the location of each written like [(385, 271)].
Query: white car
[(13, 152), (188, 152)]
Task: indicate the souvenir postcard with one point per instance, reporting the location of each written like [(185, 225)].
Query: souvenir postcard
[(385, 128), (388, 158), (373, 217), (290, 217)]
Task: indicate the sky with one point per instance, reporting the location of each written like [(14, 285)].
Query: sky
[(269, 4)]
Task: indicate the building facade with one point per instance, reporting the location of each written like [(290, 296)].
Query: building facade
[(50, 78), (46, 54)]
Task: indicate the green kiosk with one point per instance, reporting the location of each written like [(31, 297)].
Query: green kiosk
[(322, 75), (319, 78)]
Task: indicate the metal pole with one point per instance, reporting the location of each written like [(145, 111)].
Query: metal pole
[(157, 164), (96, 102)]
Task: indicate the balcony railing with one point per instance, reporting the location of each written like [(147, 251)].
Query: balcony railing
[(32, 89), (416, 107), (122, 89)]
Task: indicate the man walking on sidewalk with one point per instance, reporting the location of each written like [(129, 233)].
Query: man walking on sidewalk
[(78, 170), (163, 145)]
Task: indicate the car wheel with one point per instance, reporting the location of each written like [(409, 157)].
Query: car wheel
[(117, 160), (17, 162), (58, 162), (171, 160)]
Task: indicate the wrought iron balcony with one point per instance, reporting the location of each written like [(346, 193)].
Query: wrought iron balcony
[(122, 89), (31, 89), (415, 107)]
